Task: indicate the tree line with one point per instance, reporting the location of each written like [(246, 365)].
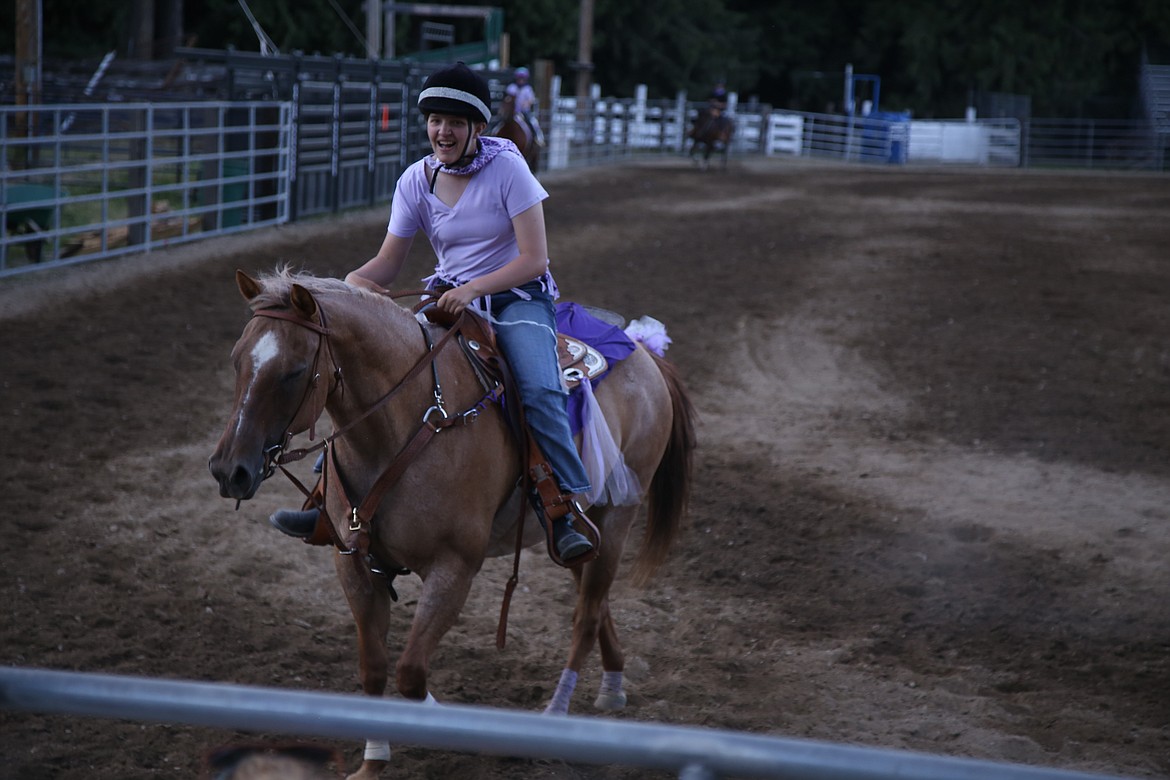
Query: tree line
[(933, 57)]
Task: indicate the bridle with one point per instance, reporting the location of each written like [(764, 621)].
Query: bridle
[(277, 455), (435, 419)]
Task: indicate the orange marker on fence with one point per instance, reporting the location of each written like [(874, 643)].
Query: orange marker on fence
[(385, 116)]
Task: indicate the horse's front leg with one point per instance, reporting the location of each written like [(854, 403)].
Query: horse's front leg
[(369, 600), (444, 592)]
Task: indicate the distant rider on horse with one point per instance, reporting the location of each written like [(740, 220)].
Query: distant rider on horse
[(717, 100), (710, 119), (525, 103)]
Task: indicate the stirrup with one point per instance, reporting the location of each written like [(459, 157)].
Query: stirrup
[(569, 544)]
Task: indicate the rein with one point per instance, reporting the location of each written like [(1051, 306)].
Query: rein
[(282, 457), (434, 420), (276, 456)]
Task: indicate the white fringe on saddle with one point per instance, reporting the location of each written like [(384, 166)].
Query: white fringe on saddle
[(613, 481), (651, 333)]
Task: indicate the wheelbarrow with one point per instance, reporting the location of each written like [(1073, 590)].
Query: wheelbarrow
[(29, 220)]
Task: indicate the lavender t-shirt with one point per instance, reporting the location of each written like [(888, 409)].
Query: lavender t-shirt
[(475, 237)]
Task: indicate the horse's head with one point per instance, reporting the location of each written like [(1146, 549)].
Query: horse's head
[(280, 390), (507, 107)]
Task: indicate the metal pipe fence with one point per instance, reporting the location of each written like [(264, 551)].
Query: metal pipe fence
[(1103, 144), (89, 181), (84, 181), (693, 753)]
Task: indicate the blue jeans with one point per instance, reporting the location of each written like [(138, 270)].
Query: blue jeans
[(526, 334)]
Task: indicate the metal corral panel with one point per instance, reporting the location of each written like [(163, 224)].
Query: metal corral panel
[(86, 181)]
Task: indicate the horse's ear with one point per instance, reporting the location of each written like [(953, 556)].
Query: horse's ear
[(303, 302), (249, 287)]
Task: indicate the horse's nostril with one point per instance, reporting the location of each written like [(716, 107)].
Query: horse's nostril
[(241, 477)]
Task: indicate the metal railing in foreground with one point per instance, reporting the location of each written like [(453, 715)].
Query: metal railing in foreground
[(694, 753)]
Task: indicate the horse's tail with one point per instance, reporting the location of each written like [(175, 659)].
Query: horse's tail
[(670, 487)]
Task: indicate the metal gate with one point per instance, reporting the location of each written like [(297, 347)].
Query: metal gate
[(80, 182)]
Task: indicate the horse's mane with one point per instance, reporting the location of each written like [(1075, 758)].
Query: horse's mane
[(277, 285)]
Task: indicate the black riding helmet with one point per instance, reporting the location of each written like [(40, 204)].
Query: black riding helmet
[(460, 91), (456, 90)]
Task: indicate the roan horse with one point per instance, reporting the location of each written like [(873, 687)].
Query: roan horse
[(713, 131), (318, 344), (515, 129)]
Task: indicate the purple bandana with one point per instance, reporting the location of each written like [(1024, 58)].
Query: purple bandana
[(489, 147)]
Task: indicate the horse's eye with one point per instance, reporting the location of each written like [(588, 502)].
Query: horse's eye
[(292, 376)]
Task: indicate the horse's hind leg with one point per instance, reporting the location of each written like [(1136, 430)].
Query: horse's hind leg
[(694, 153), (707, 149), (592, 622), (369, 600), (612, 695)]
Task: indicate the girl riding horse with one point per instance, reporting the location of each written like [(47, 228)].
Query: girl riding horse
[(480, 207)]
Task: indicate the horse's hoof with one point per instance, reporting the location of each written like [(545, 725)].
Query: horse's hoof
[(611, 702)]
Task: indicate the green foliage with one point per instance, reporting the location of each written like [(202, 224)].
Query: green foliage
[(311, 26), (72, 30), (671, 45), (1072, 57), (542, 29)]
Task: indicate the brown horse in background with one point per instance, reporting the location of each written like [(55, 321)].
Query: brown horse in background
[(515, 129), (319, 344), (714, 131)]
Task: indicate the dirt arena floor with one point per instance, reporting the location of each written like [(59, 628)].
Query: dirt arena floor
[(931, 503)]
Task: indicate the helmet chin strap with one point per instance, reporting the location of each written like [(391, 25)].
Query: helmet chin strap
[(464, 160), (467, 156)]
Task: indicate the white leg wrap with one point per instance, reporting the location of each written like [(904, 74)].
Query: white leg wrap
[(564, 692), (611, 697), (377, 751), (380, 751)]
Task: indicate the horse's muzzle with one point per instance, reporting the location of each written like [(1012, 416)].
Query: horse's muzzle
[(236, 479)]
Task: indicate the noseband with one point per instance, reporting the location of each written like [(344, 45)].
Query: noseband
[(434, 419), (277, 455)]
